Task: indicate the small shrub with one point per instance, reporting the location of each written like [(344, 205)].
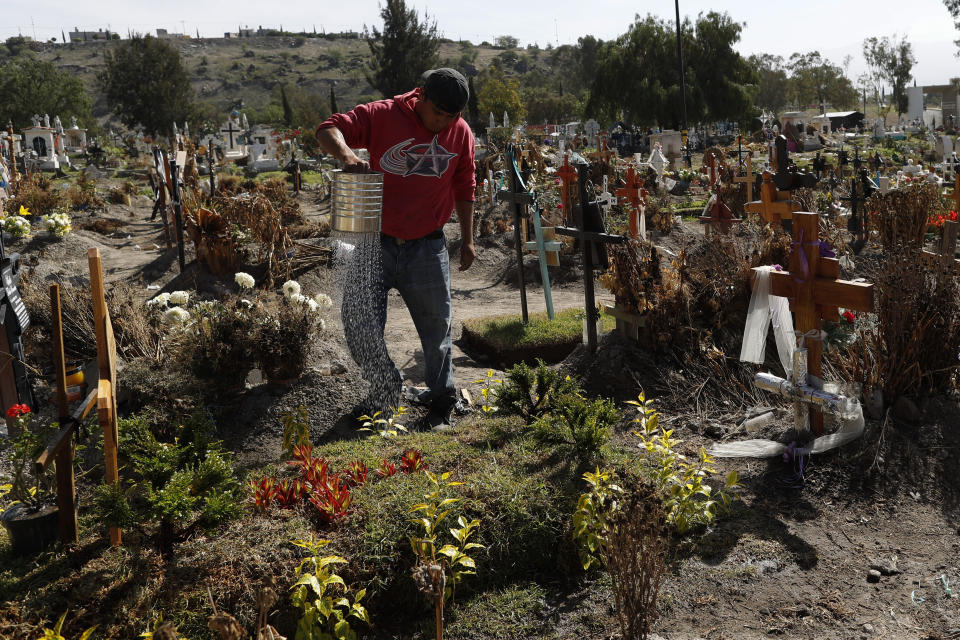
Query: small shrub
[(576, 423), (531, 393), (324, 614), (36, 194)]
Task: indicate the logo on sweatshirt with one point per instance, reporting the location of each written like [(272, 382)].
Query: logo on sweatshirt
[(431, 160)]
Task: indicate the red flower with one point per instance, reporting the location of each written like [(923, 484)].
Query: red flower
[(18, 410), (848, 316)]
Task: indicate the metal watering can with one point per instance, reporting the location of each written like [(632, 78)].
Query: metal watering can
[(357, 202)]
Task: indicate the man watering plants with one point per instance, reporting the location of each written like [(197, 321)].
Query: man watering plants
[(424, 150)]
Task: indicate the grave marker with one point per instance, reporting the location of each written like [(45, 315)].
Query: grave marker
[(815, 292), (568, 175), (634, 195)]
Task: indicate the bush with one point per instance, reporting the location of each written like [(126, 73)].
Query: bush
[(35, 194), (532, 393), (583, 426)]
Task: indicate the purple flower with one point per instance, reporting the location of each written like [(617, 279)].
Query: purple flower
[(777, 267)]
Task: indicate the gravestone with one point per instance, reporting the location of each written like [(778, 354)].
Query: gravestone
[(591, 128), (506, 120), (670, 143), (76, 138), (262, 150), (492, 123), (40, 142), (231, 132)]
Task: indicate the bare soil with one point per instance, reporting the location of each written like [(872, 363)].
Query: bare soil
[(790, 560)]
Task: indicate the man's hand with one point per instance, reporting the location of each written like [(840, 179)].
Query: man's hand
[(331, 141), (467, 254), (353, 164)]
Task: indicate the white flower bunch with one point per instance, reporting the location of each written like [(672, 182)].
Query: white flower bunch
[(160, 300), (323, 300), (58, 224), (16, 226), (244, 280), (180, 298), (298, 299), (176, 316), (290, 288)]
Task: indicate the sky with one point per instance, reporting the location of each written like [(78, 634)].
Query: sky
[(835, 29)]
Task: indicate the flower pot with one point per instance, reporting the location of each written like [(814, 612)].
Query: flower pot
[(30, 531)]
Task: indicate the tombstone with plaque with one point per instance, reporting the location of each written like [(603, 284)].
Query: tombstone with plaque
[(40, 143), (231, 133)]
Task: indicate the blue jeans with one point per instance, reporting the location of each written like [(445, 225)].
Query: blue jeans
[(420, 271)]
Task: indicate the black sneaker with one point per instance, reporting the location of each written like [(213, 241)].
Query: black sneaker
[(440, 420)]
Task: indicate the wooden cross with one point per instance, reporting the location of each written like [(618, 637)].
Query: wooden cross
[(720, 218), (634, 195), (569, 177), (815, 291), (746, 177), (14, 176), (774, 205), (955, 196)]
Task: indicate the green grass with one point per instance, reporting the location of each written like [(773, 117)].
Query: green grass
[(509, 332)]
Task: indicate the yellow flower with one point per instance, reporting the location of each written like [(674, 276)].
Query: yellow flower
[(24, 211)]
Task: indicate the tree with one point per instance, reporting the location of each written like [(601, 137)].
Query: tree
[(772, 87), (333, 101), (403, 51), (506, 42), (815, 80), (637, 76), (545, 106), (147, 84), (497, 94), (29, 86), (953, 6), (890, 62), (473, 106)]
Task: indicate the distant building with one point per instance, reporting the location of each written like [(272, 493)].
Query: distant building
[(163, 34), (89, 36)]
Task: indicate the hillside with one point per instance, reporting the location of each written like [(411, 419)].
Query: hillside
[(226, 71)]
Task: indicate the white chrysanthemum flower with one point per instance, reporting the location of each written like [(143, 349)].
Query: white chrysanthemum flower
[(314, 307), (291, 288), (161, 300), (323, 300), (176, 315), (298, 299), (321, 324), (179, 297), (244, 280)]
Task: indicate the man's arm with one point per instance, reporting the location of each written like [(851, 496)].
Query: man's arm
[(465, 216), (332, 142)]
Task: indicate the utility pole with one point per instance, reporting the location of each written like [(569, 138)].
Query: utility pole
[(683, 88)]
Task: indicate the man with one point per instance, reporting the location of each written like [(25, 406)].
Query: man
[(425, 151)]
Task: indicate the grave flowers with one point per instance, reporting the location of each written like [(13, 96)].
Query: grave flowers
[(58, 224), (16, 226), (285, 327), (29, 515)]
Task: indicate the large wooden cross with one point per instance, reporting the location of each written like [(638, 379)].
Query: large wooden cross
[(746, 177), (720, 218), (568, 175), (815, 292), (774, 205), (634, 195)]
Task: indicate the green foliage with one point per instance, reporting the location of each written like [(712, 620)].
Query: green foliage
[(147, 84), (497, 94), (532, 392), (56, 632), (296, 429), (325, 616), (816, 80), (385, 426), (891, 62), (184, 483), (773, 85), (487, 391), (687, 498), (592, 517), (579, 424), (403, 50), (26, 485), (637, 77), (29, 86)]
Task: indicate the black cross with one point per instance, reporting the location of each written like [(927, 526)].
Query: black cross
[(231, 131)]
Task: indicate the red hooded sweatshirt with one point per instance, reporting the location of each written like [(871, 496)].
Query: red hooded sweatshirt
[(423, 173)]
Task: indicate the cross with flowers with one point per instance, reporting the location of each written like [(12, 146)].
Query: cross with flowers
[(815, 292)]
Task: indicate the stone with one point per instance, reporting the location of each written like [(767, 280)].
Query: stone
[(885, 568), (868, 628), (904, 409), (337, 367), (873, 576)]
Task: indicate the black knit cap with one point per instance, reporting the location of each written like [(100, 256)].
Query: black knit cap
[(446, 88)]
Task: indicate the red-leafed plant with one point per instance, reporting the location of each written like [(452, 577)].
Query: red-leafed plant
[(289, 493), (356, 473), (331, 498), (412, 461), (263, 492), (386, 469)]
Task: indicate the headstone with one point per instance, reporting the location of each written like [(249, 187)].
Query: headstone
[(40, 143), (670, 143), (657, 161), (46, 120), (230, 133), (506, 120), (262, 150), (492, 122), (591, 128)]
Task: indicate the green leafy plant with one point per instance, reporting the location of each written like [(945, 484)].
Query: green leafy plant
[(579, 424), (383, 426), (487, 391), (532, 392), (325, 613), (57, 632), (438, 571), (296, 428), (594, 508), (26, 486), (687, 497)]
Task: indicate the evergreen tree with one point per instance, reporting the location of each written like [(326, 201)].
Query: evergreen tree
[(333, 101), (147, 84), (473, 110), (285, 105), (403, 51)]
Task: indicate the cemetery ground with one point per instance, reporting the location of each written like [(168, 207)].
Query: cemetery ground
[(790, 558)]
